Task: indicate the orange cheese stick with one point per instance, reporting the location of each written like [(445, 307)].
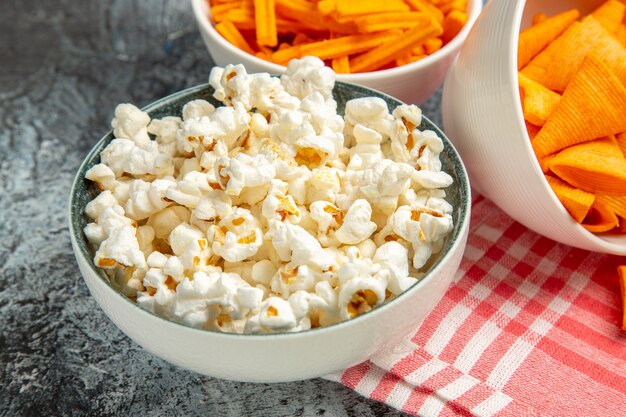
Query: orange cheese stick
[(432, 45), (218, 12), (383, 21), (452, 25), (243, 19), (361, 7), (460, 5), (341, 64), (333, 48), (265, 20), (389, 51), (326, 7), (426, 7), (299, 10), (232, 35)]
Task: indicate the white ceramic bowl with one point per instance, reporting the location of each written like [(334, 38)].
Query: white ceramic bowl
[(483, 117), (412, 83), (276, 357)]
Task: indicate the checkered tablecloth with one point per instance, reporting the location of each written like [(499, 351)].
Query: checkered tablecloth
[(529, 327)]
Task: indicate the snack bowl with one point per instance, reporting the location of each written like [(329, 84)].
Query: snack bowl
[(483, 117), (280, 356), (412, 83)]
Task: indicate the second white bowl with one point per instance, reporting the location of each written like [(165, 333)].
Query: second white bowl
[(412, 83), (482, 116)]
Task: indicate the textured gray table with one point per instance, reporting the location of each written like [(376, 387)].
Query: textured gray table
[(64, 65)]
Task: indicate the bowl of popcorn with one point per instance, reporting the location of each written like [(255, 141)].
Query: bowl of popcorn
[(270, 229), (536, 105), (401, 47)]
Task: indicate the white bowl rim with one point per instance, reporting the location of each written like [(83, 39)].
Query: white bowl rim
[(597, 240), (204, 20), (458, 238)]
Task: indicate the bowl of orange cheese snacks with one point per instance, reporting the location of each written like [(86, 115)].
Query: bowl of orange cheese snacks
[(536, 105), (401, 47)]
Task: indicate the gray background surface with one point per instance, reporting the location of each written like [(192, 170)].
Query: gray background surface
[(64, 65)]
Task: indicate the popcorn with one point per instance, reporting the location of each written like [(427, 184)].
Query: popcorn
[(271, 213), (293, 243), (278, 205), (131, 123), (125, 156), (166, 220), (276, 314), (146, 199), (120, 248), (237, 236), (243, 171), (371, 112), (308, 75), (393, 256), (356, 225), (213, 205), (103, 201), (197, 109), (263, 271), (103, 176)]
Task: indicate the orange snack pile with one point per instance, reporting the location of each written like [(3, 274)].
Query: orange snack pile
[(572, 81), (350, 36)]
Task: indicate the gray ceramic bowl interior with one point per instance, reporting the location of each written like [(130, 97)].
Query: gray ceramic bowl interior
[(83, 190)]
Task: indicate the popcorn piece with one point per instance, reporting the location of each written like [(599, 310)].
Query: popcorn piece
[(279, 206), (356, 225), (324, 184), (125, 156), (146, 199), (293, 243), (95, 233), (430, 179), (145, 236), (371, 112), (156, 260), (323, 113), (214, 204), (393, 256), (131, 123), (426, 150), (236, 237), (327, 215), (165, 221), (121, 247), (243, 171), (263, 271), (367, 151), (308, 75), (196, 109), (102, 176), (314, 150), (103, 201), (276, 314)]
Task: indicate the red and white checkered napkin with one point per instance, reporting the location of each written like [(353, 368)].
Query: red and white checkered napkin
[(530, 327)]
